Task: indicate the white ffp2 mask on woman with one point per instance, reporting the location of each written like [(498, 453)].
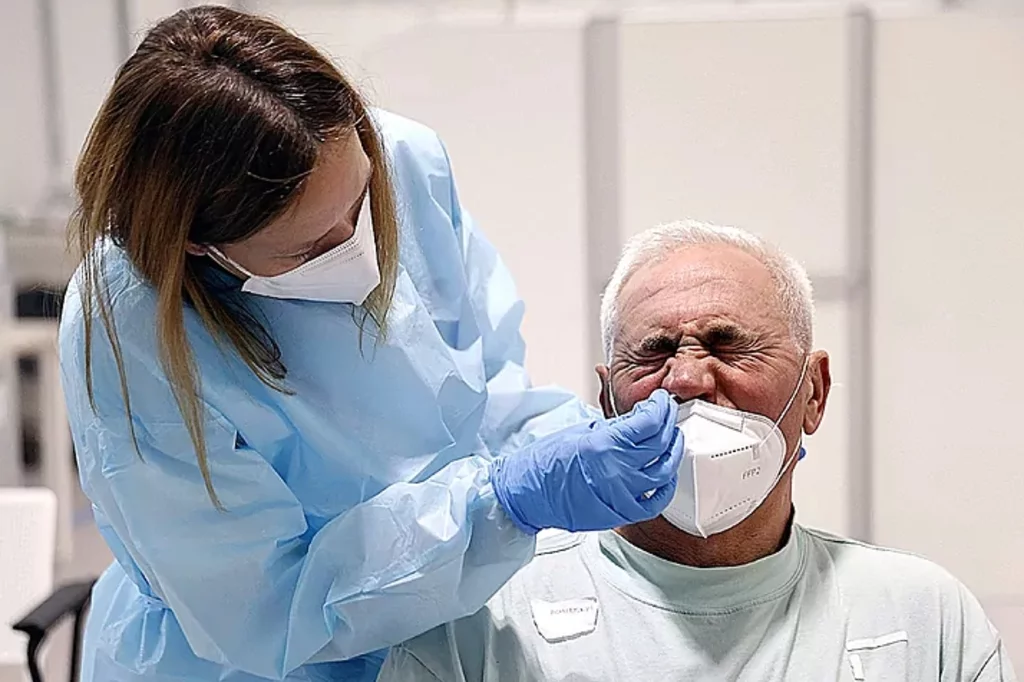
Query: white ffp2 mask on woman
[(345, 274)]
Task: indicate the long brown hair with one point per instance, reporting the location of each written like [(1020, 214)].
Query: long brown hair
[(208, 134)]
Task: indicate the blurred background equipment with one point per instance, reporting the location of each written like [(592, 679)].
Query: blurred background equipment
[(880, 142), (28, 524)]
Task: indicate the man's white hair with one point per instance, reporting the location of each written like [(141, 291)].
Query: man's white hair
[(657, 243)]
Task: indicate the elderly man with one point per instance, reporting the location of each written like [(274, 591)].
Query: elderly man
[(724, 585)]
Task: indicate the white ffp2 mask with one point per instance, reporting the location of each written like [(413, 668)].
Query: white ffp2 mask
[(345, 274), (732, 461)]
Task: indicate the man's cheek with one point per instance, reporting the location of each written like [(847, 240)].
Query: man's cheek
[(637, 389)]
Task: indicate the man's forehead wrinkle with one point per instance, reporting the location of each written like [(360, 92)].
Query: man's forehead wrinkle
[(696, 326), (706, 301), (651, 290), (699, 282)]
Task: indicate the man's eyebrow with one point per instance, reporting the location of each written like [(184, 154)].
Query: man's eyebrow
[(658, 341), (721, 331)]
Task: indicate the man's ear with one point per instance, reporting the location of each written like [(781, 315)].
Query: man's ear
[(604, 377), (821, 383)]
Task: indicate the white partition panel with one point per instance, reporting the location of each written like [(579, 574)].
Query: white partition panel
[(23, 143), (345, 30), (508, 102), (949, 315), (87, 54), (745, 122), (142, 14), (24, 164), (740, 122)]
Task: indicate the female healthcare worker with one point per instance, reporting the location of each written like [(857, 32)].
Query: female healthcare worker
[(294, 375)]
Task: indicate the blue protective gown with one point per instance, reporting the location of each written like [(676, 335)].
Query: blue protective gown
[(358, 509)]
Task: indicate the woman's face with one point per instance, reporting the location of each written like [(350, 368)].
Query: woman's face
[(323, 217)]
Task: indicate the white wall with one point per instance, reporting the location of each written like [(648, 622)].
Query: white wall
[(87, 53), (516, 142), (949, 316), (23, 160), (23, 172), (744, 123)]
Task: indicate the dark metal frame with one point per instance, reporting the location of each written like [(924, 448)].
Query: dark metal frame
[(70, 599)]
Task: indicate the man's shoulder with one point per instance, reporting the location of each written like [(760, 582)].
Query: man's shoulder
[(554, 574), (873, 577), (881, 566), (464, 649), (910, 597)]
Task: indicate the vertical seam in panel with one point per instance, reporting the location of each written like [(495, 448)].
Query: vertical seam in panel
[(859, 250), (52, 103), (123, 30), (602, 166)]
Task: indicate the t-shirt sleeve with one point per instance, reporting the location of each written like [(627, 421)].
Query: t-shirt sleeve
[(403, 666), (429, 657), (973, 650), (997, 668)]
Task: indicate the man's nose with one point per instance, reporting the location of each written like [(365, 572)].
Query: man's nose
[(690, 376)]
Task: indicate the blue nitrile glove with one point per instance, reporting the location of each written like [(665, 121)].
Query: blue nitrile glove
[(595, 476)]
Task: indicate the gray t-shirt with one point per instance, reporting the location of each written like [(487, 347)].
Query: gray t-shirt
[(594, 607)]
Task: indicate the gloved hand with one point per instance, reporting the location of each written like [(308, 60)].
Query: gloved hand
[(595, 476)]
